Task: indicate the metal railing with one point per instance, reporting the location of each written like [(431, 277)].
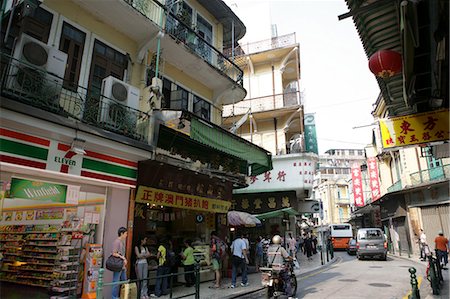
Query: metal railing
[(23, 82), (431, 174), (263, 45), (266, 103), (101, 285), (182, 33), (395, 187)]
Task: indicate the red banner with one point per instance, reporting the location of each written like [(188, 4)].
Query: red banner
[(358, 195), (372, 166)]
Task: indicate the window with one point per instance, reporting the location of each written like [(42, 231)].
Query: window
[(202, 108), (38, 24), (166, 91), (179, 99), (72, 43)]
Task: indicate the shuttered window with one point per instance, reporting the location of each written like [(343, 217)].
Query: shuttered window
[(72, 43)]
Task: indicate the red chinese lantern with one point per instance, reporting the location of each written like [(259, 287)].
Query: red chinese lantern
[(385, 63)]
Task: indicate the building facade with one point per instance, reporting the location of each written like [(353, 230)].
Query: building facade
[(411, 140), (120, 103)]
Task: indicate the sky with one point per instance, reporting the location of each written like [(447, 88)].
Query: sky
[(335, 78)]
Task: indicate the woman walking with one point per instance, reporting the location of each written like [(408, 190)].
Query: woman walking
[(142, 253)]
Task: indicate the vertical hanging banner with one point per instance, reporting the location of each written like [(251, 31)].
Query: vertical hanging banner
[(373, 178), (310, 134), (358, 195)]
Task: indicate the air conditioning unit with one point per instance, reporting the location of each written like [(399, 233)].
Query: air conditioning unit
[(118, 98), (152, 95), (39, 71)]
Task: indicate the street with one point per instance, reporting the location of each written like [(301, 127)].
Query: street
[(350, 278)]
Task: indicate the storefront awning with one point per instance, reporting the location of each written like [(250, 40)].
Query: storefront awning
[(277, 213), (216, 137)]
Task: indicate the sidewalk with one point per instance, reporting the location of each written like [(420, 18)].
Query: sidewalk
[(425, 288), (254, 279)]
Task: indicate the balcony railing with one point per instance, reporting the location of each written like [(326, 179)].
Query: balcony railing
[(395, 187), (431, 174), (266, 103), (184, 34), (263, 45), (35, 87)]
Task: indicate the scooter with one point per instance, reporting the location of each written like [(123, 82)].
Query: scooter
[(272, 280)]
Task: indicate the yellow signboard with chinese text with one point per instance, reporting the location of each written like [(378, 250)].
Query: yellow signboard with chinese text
[(179, 200), (414, 129)]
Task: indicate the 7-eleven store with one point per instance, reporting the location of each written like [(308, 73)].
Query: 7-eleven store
[(97, 178)]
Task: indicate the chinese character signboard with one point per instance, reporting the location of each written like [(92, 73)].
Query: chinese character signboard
[(372, 166), (310, 134), (258, 203), (179, 200), (357, 186), (290, 172), (414, 129)]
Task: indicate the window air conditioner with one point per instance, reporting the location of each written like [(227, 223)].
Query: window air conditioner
[(118, 98), (39, 71)]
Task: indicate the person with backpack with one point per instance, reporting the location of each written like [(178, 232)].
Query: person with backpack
[(163, 269), (218, 251)]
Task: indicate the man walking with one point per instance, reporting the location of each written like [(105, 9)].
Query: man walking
[(441, 246), (119, 248), (422, 245), (239, 260)]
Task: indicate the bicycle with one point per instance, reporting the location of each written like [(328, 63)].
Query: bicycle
[(434, 273)]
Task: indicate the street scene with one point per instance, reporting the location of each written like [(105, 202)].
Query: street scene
[(224, 149)]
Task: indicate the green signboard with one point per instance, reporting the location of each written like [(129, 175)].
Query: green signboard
[(310, 134), (36, 190)]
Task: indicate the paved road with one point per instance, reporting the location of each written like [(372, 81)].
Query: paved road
[(351, 278)]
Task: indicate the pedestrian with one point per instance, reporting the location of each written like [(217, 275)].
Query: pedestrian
[(239, 260), (163, 269), (119, 251), (218, 251), (314, 243), (441, 246), (187, 257), (259, 253), (265, 245), (300, 243), (292, 246), (142, 253), (308, 246), (422, 245)]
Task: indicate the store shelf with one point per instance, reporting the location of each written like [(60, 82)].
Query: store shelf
[(26, 283), (35, 277)]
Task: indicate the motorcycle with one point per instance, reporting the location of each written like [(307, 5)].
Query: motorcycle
[(272, 280)]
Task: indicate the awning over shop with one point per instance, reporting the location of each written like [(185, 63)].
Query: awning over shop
[(237, 218), (277, 213), (216, 137)]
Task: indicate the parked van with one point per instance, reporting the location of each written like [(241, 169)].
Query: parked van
[(370, 242)]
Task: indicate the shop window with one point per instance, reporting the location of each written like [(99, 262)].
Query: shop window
[(72, 43)]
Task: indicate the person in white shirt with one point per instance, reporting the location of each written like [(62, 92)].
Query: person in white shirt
[(292, 246), (239, 260), (422, 245)]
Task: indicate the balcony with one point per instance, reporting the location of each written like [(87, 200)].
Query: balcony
[(264, 45), (262, 104), (395, 187), (342, 201), (34, 87), (183, 47), (430, 175)]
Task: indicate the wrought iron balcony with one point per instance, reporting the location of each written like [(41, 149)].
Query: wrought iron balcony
[(25, 83), (263, 45), (190, 38), (395, 187), (261, 104), (431, 174)]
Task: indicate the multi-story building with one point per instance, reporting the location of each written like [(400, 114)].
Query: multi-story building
[(411, 142), (271, 116), (332, 183), (117, 105)]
